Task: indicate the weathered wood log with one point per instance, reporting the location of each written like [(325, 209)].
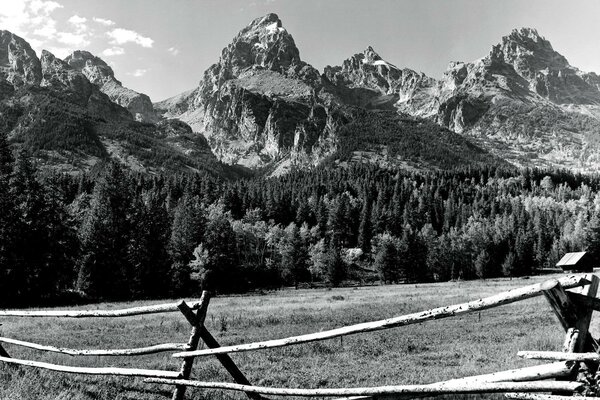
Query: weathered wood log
[(95, 370), (563, 307), (127, 312), (98, 352), (571, 340), (226, 361), (585, 301), (196, 320), (3, 352), (541, 396), (569, 315), (559, 356), (431, 389), (586, 342), (510, 296), (527, 374), (533, 373)]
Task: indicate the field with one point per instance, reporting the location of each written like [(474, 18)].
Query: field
[(432, 351)]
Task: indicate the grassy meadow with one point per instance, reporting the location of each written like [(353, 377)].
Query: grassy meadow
[(428, 352)]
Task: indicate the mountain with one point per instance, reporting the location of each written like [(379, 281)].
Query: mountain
[(101, 74), (70, 114), (262, 106), (523, 101)]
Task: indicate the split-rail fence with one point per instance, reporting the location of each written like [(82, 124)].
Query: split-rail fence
[(572, 298)]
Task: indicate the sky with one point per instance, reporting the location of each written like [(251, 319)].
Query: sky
[(163, 47)]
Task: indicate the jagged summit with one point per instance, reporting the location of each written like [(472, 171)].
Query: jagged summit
[(102, 75), (18, 62), (96, 70), (528, 52), (264, 43)]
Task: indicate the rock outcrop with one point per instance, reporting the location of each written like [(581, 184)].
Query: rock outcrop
[(19, 65), (50, 107), (102, 75), (259, 102)]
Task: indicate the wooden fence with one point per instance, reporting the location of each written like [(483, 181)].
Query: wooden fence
[(572, 298)]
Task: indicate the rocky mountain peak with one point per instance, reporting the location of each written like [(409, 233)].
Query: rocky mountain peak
[(528, 52), (102, 75), (264, 43), (93, 67), (18, 62)]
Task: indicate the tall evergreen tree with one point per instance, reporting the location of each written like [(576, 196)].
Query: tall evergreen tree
[(104, 270)]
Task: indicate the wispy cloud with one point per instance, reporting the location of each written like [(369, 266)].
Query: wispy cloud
[(73, 39), (43, 7), (113, 51), (24, 17), (138, 72), (105, 22), (173, 50), (121, 36)]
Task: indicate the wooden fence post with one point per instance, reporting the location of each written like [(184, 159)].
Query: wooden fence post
[(196, 319), (3, 352), (571, 316), (228, 363)]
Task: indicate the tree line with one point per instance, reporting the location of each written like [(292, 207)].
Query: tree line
[(113, 234)]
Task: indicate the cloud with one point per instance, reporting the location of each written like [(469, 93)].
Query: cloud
[(122, 36), (77, 20), (43, 7), (24, 17), (73, 39), (105, 22), (173, 50), (113, 51), (138, 72), (79, 24), (47, 30)]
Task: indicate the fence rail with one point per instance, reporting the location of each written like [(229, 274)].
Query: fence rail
[(573, 309), (508, 297)]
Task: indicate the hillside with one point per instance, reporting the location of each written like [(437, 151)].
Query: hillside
[(523, 101), (263, 107), (70, 124)]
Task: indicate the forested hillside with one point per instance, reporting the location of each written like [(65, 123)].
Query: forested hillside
[(116, 234)]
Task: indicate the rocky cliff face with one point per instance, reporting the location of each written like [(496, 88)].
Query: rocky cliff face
[(19, 64), (76, 88), (259, 102), (522, 101), (51, 108), (101, 74)]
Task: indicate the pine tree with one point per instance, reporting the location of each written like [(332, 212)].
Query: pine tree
[(365, 229), (104, 270), (294, 257)]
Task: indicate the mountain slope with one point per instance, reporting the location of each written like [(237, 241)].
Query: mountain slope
[(69, 124), (261, 106), (101, 74), (523, 101)]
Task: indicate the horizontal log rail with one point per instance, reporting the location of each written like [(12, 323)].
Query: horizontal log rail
[(159, 348), (558, 355), (541, 396), (126, 312), (510, 296), (95, 370), (430, 389), (534, 373)]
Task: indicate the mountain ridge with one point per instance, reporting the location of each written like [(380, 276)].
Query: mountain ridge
[(261, 107)]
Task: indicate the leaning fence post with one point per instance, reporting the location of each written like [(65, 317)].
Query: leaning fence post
[(569, 314), (196, 319), (237, 375), (3, 352)]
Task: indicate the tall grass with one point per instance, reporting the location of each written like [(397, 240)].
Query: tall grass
[(428, 352)]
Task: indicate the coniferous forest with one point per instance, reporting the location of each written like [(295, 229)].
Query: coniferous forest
[(112, 234)]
